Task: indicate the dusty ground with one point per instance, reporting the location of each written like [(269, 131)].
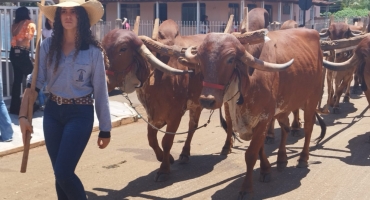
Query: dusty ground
[(339, 167)]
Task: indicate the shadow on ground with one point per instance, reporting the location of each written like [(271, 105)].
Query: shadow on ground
[(199, 166)]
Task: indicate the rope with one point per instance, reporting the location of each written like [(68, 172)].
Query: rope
[(140, 116)]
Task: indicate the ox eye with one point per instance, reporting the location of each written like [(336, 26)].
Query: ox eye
[(230, 61), (123, 49)]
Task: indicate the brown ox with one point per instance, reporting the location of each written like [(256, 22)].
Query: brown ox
[(267, 95), (165, 97), (341, 79), (361, 59), (258, 19), (224, 63)]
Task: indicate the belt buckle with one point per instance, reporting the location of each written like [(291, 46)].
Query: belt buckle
[(59, 100)]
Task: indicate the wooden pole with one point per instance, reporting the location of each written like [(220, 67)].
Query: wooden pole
[(155, 29), (136, 25), (244, 26), (33, 86), (229, 24)]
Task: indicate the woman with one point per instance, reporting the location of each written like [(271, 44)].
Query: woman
[(72, 65), (23, 30)]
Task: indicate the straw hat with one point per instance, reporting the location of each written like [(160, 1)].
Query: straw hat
[(93, 8)]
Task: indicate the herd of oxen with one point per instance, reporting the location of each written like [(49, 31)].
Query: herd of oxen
[(255, 75)]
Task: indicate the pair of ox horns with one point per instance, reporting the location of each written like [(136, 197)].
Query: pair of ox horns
[(325, 33), (190, 54)]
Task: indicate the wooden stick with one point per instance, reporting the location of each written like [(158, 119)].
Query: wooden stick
[(254, 37), (229, 24), (155, 29), (136, 25), (33, 86)]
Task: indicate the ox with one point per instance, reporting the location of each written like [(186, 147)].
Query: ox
[(341, 79), (361, 59), (258, 19), (224, 62), (289, 24), (165, 96)]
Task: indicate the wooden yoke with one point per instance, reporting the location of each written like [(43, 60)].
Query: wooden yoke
[(33, 86)]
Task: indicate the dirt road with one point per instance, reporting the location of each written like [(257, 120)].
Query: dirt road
[(339, 167)]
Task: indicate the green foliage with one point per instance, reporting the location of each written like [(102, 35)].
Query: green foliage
[(355, 4), (350, 12)]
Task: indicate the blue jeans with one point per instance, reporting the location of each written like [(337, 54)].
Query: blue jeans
[(67, 129), (6, 131)]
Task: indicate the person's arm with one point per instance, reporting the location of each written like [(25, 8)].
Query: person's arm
[(101, 99), (29, 96)]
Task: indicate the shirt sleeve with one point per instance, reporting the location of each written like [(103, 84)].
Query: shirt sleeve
[(100, 91), (31, 30), (41, 75)]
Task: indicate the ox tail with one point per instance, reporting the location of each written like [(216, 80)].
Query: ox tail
[(323, 129), (224, 126), (360, 75)]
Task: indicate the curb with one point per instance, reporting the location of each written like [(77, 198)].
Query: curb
[(115, 123)]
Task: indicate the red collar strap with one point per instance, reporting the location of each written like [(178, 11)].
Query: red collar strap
[(212, 85)]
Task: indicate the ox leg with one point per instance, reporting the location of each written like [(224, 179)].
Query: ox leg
[(282, 159), (153, 141), (356, 86), (270, 137), (348, 86), (226, 149), (251, 156), (265, 173), (296, 125), (309, 121), (167, 142), (193, 124)]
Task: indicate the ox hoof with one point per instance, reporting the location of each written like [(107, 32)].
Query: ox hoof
[(184, 159), (265, 177), (269, 140), (336, 110), (225, 151), (346, 99), (281, 165), (245, 196), (295, 133), (161, 177), (172, 160), (302, 164)]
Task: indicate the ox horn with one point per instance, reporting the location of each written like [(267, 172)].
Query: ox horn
[(256, 63), (324, 34), (161, 48), (192, 58), (355, 33), (145, 52), (343, 65)]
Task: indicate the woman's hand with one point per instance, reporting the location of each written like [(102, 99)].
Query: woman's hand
[(103, 142), (26, 128)]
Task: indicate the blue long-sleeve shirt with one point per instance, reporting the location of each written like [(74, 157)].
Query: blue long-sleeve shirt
[(76, 78)]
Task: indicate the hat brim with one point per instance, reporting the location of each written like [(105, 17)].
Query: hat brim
[(94, 9)]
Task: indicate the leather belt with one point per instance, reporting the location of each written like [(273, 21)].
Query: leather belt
[(86, 100)]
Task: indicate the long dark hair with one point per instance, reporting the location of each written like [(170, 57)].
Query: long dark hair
[(83, 36), (47, 24), (21, 14)]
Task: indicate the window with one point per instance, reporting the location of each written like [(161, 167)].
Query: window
[(189, 12), (251, 6), (130, 11), (286, 9), (269, 10), (162, 11), (234, 10)]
